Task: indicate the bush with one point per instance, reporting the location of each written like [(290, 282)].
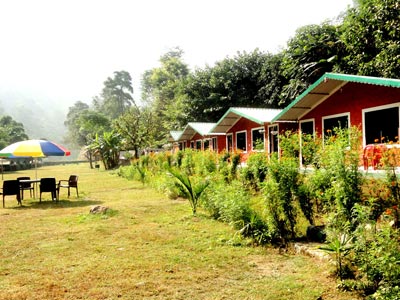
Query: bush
[(188, 164), (280, 192), (255, 171), (319, 186), (377, 256), (341, 158), (232, 204), (257, 229), (335, 191), (228, 203)]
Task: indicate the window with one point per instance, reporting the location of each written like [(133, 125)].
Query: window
[(273, 140), (214, 144), (307, 135), (206, 144), (241, 141), (198, 144), (381, 124), (307, 127), (337, 121), (192, 144), (229, 142), (182, 145), (257, 139)]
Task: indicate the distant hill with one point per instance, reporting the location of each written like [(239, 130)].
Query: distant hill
[(42, 117)]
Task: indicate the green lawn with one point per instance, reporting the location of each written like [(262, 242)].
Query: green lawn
[(146, 247)]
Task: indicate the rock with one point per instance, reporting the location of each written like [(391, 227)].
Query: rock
[(310, 250), (98, 209)]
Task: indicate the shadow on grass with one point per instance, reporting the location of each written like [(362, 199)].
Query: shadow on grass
[(48, 204)]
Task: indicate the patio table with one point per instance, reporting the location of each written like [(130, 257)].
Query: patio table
[(34, 181)]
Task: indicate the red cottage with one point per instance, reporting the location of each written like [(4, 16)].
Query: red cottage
[(246, 129), (196, 135), (339, 100)]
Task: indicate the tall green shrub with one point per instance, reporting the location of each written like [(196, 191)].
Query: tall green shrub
[(319, 186), (377, 258), (280, 193), (188, 164), (255, 171), (228, 203), (232, 204), (341, 156)]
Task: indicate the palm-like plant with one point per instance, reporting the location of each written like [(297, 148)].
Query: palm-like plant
[(339, 246), (141, 170), (188, 188), (107, 146)]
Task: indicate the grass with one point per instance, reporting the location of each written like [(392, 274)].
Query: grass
[(145, 247)]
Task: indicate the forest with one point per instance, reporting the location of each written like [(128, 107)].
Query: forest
[(364, 40)]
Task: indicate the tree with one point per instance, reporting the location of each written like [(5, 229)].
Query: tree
[(74, 136), (162, 89), (116, 96), (83, 125), (272, 80), (136, 127), (371, 37), (11, 131), (248, 79), (312, 52), (91, 124)]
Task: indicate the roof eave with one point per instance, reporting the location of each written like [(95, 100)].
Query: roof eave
[(344, 79)]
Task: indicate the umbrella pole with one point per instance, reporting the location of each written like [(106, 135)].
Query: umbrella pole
[(36, 178), (35, 168)]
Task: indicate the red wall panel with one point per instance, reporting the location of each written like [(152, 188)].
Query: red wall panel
[(353, 98)]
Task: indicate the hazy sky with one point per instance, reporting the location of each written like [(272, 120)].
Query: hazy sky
[(64, 50)]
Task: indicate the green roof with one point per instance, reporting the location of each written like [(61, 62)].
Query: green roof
[(257, 115), (390, 82), (322, 89), (201, 128), (204, 129), (175, 135)]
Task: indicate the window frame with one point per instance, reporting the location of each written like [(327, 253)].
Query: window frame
[(201, 144), (262, 131), (301, 139), (214, 144), (204, 144), (377, 108), (327, 117), (308, 121), (182, 145), (229, 136), (245, 140), (271, 143)]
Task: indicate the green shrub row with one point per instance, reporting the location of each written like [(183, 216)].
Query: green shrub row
[(273, 200)]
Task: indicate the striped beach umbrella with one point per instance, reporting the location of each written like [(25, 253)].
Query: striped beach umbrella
[(34, 148)]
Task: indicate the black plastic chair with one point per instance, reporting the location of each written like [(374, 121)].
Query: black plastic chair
[(26, 186), (10, 188), (72, 182), (48, 185)]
